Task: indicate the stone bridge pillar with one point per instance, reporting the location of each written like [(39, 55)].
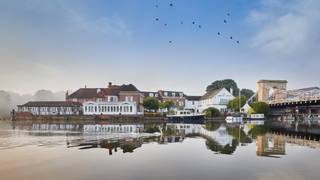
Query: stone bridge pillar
[(265, 86)]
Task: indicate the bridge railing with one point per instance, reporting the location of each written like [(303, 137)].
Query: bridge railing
[(289, 97)]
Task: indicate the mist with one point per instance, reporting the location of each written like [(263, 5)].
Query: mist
[(10, 100)]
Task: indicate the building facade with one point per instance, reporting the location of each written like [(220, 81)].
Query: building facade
[(218, 99), (51, 108), (113, 100)]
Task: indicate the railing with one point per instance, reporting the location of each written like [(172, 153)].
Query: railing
[(293, 96)]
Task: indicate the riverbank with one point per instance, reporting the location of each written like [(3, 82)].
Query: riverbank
[(89, 119)]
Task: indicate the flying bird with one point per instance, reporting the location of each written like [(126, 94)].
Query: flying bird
[(238, 42), (156, 6), (231, 37), (200, 26), (170, 41), (171, 4), (219, 33), (193, 22), (165, 24), (225, 21), (181, 22), (157, 19), (228, 14)]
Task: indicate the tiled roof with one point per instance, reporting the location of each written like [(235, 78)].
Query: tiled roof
[(51, 104), (129, 87), (193, 98), (113, 90), (85, 93), (211, 94)]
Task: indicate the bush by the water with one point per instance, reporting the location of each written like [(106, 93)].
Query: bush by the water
[(212, 112)]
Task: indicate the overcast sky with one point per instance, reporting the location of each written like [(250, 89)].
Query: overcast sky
[(66, 44)]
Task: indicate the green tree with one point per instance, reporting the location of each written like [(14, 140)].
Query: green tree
[(151, 103), (167, 105), (247, 93), (234, 104), (212, 112), (260, 107), (226, 83)]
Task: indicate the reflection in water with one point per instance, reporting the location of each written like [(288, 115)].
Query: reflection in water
[(126, 144), (70, 151), (270, 145)]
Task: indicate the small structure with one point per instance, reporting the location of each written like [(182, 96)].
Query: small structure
[(218, 99), (50, 108)]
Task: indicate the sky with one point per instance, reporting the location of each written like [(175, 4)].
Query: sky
[(67, 44)]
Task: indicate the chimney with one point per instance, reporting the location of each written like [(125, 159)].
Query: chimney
[(85, 86), (109, 84)]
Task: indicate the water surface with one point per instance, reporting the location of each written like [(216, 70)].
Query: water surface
[(182, 151)]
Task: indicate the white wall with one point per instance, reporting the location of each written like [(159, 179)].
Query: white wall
[(219, 101), (109, 108)]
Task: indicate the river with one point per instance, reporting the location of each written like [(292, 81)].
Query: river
[(39, 151)]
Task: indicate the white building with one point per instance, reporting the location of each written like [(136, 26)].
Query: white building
[(50, 108), (218, 99), (110, 108), (193, 103)]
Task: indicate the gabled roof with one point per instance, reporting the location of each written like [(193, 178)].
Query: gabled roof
[(211, 94), (112, 90), (129, 87), (51, 104), (85, 93)]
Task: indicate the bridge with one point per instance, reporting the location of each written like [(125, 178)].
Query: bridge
[(303, 102)]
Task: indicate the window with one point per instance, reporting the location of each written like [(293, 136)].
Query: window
[(151, 94), (165, 93), (173, 94), (130, 108)]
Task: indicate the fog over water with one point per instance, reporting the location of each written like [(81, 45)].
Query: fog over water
[(10, 100)]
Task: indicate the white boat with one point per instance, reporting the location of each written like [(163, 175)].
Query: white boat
[(257, 116), (185, 113), (233, 119)]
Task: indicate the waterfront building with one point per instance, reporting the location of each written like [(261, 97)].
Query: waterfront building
[(177, 97), (113, 100), (51, 108), (193, 103), (218, 99)]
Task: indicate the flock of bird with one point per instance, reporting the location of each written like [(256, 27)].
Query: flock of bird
[(220, 34)]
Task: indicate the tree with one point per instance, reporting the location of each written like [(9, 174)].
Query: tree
[(151, 103), (234, 104), (212, 112), (260, 107), (44, 95), (247, 93), (226, 83)]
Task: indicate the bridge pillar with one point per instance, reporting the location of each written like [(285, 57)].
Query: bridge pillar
[(265, 86)]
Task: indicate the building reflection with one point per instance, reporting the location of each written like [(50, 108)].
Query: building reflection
[(270, 145), (127, 145)]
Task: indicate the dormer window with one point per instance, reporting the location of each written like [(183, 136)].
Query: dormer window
[(156, 95), (181, 94), (151, 94), (173, 94), (112, 98), (165, 93)]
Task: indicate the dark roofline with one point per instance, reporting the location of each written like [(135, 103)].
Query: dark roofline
[(50, 104)]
